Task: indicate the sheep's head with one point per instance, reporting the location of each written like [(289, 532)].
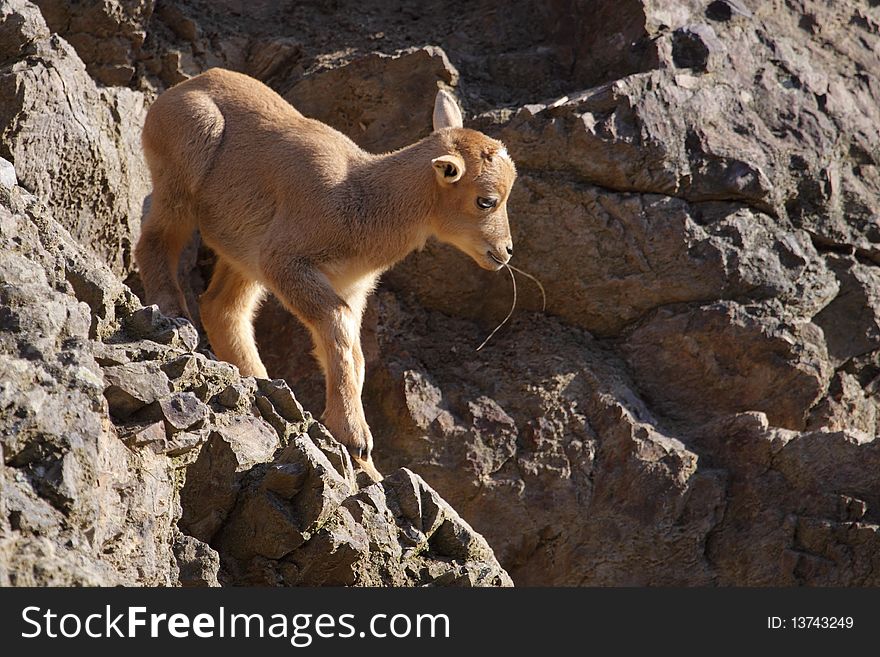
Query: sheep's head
[(474, 178)]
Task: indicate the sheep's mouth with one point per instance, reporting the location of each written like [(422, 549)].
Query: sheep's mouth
[(500, 262)]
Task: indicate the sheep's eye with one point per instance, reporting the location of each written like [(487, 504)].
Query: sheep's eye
[(485, 203)]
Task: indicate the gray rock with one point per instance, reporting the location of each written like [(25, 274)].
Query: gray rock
[(8, 179), (197, 563), (86, 162), (238, 395), (182, 411), (231, 395), (132, 386), (282, 399), (213, 479)]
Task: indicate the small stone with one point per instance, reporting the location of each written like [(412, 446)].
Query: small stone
[(150, 324), (335, 451), (109, 355), (198, 563), (8, 179), (145, 322), (180, 366), (132, 386), (98, 289), (187, 336), (145, 435), (282, 399), (182, 411), (181, 443), (267, 410), (231, 395), (285, 479)]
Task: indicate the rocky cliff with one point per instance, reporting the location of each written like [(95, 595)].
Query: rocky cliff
[(696, 406)]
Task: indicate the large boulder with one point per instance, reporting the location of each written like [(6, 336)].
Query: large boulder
[(74, 144), (715, 232), (542, 431)]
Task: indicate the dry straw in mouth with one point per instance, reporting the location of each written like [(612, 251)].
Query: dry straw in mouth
[(510, 270)]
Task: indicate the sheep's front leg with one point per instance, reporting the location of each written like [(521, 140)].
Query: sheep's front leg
[(337, 337), (335, 329)]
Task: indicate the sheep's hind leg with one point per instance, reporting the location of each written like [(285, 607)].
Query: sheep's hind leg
[(164, 232), (227, 309)]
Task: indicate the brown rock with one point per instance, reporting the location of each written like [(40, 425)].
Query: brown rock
[(743, 362), (508, 453), (846, 406), (802, 536), (851, 322), (381, 102), (197, 563), (107, 35)]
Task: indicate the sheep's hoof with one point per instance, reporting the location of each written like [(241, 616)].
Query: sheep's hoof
[(366, 465)]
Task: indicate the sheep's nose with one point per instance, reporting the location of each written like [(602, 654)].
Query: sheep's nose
[(510, 249)]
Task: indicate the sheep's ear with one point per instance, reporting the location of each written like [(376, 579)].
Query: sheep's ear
[(449, 168), (446, 112)]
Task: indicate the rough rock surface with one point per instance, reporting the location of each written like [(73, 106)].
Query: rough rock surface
[(106, 35), (74, 143), (698, 404)]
